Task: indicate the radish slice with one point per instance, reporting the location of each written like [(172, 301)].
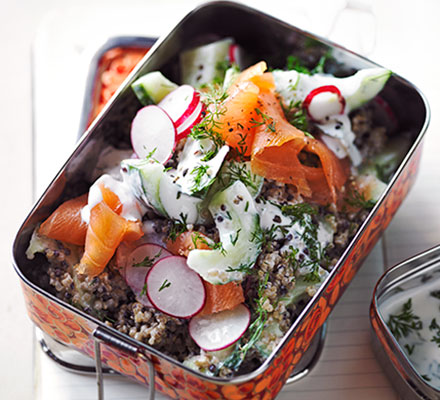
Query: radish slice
[(184, 129), (323, 102), (122, 254), (138, 263), (174, 288), (220, 330), (233, 53), (152, 130), (180, 103)]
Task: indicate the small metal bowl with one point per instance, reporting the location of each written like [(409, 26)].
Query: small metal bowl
[(97, 67), (406, 280)]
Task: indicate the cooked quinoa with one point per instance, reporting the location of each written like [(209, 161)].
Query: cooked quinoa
[(276, 288)]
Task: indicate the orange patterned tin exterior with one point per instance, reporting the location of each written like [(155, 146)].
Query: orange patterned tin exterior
[(76, 329)]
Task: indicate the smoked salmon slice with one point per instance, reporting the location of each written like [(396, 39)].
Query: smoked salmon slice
[(236, 124), (276, 155), (105, 233), (65, 223), (222, 297), (186, 242)]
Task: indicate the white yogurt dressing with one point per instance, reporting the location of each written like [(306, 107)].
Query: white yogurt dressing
[(326, 108), (271, 215), (425, 356), (131, 207)]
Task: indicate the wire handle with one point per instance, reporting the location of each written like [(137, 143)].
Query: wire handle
[(102, 336)]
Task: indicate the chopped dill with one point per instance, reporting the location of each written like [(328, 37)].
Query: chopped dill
[(303, 213), (255, 329), (150, 155), (234, 238), (166, 284), (239, 172), (178, 227), (409, 348), (199, 172), (295, 63), (196, 237), (357, 199), (144, 290), (148, 261), (221, 68), (436, 294), (405, 322), (434, 326), (296, 114), (265, 120), (245, 268), (207, 129)]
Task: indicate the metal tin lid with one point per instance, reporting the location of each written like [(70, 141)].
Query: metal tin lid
[(405, 318)]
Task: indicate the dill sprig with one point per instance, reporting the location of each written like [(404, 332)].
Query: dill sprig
[(303, 213), (295, 63), (199, 172), (358, 200), (213, 99), (405, 322), (265, 120), (148, 261), (196, 237), (296, 114), (178, 227), (436, 294), (245, 268), (434, 326), (255, 329), (165, 284), (239, 172)]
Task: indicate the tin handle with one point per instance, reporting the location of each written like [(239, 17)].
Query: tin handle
[(101, 335), (319, 340)]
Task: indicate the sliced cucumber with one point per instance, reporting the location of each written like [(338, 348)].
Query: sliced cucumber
[(145, 176), (178, 205), (370, 187), (230, 75), (152, 185), (193, 173), (152, 88), (237, 220), (386, 162), (357, 89), (201, 65)]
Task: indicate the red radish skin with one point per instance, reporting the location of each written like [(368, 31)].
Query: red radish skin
[(174, 288), (152, 130), (220, 330), (180, 103), (233, 48), (135, 275), (184, 129), (323, 89)]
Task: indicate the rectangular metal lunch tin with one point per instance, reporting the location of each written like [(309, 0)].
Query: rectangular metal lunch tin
[(413, 274), (266, 38)]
